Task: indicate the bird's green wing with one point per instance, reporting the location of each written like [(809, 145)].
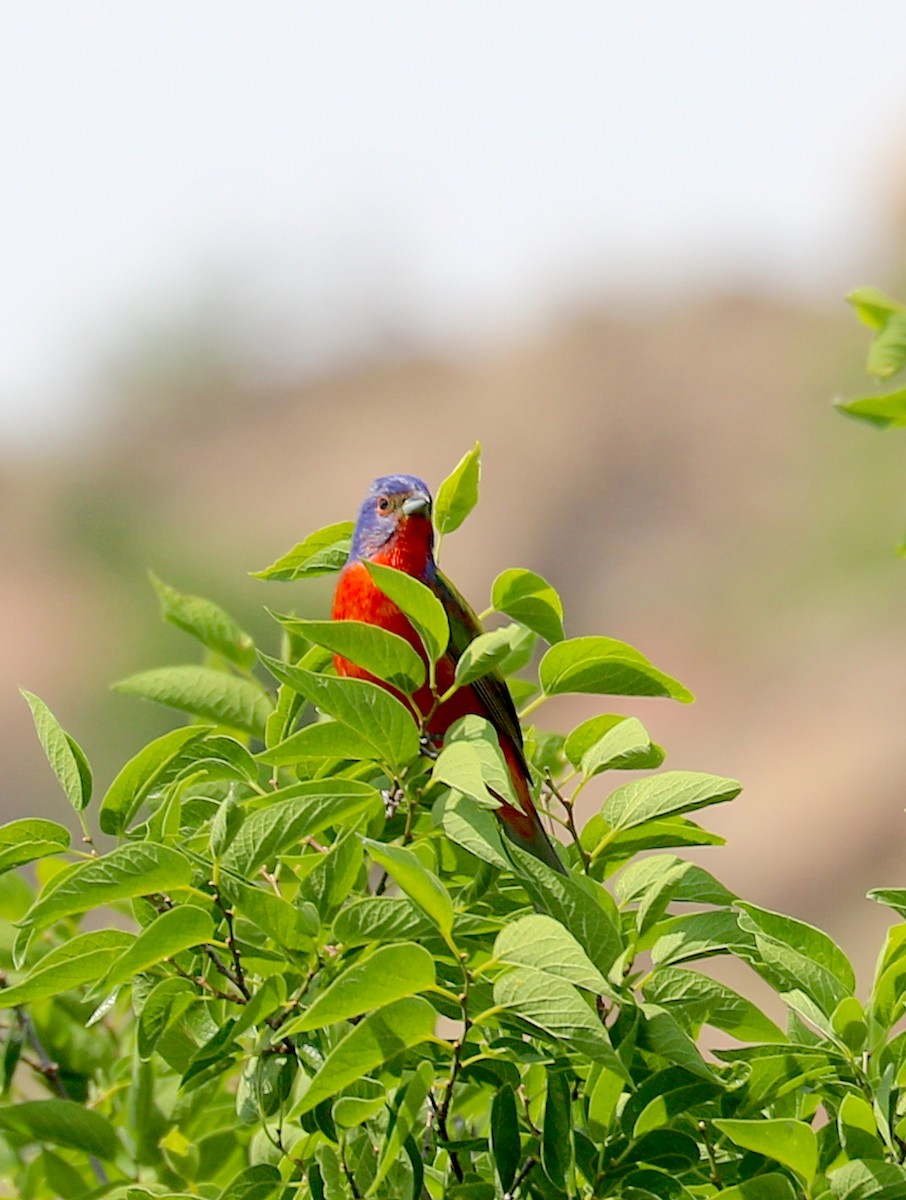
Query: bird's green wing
[(491, 689)]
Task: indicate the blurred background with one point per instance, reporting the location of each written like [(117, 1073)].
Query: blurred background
[(253, 258)]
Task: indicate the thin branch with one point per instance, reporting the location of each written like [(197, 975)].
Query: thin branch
[(570, 819)]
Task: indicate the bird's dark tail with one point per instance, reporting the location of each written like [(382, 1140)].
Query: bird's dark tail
[(523, 825)]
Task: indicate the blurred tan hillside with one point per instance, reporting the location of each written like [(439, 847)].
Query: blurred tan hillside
[(678, 474)]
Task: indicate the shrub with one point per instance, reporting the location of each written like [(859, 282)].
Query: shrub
[(310, 966)]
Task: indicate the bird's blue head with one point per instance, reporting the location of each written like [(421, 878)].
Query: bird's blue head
[(396, 507)]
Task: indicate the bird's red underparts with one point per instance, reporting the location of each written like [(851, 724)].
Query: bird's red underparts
[(358, 598)]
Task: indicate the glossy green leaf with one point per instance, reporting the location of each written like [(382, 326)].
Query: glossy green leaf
[(380, 652), (665, 794), (407, 1115), (868, 1180), (288, 925), (485, 653), (419, 884), (370, 710), (556, 1133), (473, 827), (791, 1143), (381, 919), (179, 928), (529, 599), (604, 666), (389, 974), (296, 812), (80, 960), (557, 1007), (30, 838), (65, 756), (320, 553), (700, 935), (63, 1123), (212, 695), (417, 602), (505, 1143), (582, 906), (319, 742), (133, 870), (541, 942), (379, 1037), (611, 743), (694, 884), (761, 1187), (458, 494), (873, 308), (661, 1034), (696, 999), (858, 1129), (886, 409), (141, 775), (205, 621), (887, 353)]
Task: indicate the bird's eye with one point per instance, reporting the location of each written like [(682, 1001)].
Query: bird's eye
[(383, 504)]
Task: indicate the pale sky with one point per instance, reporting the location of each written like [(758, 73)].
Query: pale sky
[(329, 173)]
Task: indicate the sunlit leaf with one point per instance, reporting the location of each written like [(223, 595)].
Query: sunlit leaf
[(320, 553), (529, 599), (212, 695), (205, 621), (64, 754), (604, 666), (458, 494)]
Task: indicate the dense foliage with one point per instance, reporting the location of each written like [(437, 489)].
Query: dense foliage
[(309, 965)]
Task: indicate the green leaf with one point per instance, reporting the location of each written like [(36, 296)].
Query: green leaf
[(82, 959), (378, 651), (556, 1135), (887, 353), (873, 308), (389, 974), (134, 870), (692, 885), (379, 1037), (894, 898), (661, 1034), (419, 884), (418, 603), (407, 1113), (296, 812), (506, 1147), (886, 410), (163, 1005), (541, 942), (485, 653), (762, 1187), (529, 599), (471, 765), (205, 621), (697, 999), (609, 742), (700, 935), (793, 955), (458, 494), (64, 1123), (179, 928), (857, 1128), (320, 553), (676, 1092), (604, 666), (65, 756), (141, 774), (287, 924), (582, 906), (556, 1007), (670, 792), (203, 692), (473, 827), (367, 708), (29, 838), (868, 1181), (318, 742), (381, 919), (791, 1143)]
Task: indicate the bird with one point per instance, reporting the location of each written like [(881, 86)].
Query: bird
[(394, 528)]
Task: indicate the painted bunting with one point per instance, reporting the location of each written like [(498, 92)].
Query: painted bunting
[(394, 529)]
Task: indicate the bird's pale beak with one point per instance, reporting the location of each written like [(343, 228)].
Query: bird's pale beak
[(418, 502)]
